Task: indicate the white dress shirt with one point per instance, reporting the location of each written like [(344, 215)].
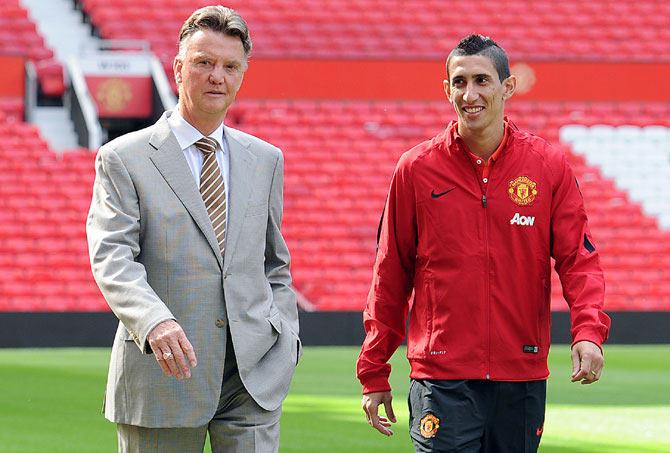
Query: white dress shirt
[(187, 135)]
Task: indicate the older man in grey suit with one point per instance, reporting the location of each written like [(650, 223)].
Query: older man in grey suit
[(185, 244)]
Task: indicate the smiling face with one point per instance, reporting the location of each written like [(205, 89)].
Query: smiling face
[(478, 95), (208, 76)]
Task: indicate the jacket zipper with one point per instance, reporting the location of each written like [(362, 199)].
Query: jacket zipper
[(488, 281), (484, 201)]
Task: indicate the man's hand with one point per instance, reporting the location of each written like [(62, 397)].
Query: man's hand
[(587, 362), (371, 402), (172, 349)]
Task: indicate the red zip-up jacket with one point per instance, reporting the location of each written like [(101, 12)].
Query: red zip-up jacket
[(476, 257)]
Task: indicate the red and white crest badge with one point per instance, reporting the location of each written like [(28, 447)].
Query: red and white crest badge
[(522, 190), (429, 426)]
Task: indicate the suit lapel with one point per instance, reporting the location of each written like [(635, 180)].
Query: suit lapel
[(169, 159), (242, 166)]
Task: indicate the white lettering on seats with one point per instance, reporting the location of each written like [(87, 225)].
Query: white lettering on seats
[(523, 220)]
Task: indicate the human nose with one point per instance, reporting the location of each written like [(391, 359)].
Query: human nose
[(470, 94), (217, 75)]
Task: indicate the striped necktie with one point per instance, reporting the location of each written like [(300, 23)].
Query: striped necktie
[(213, 189)]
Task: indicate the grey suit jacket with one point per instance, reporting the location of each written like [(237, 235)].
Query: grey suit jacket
[(155, 256)]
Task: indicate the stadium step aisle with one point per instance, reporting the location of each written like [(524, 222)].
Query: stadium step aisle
[(637, 158)]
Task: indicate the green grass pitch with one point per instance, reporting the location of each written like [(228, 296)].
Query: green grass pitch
[(50, 401)]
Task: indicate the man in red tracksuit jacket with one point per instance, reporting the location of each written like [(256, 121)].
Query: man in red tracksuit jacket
[(472, 219)]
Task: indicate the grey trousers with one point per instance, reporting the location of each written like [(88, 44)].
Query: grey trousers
[(239, 425)]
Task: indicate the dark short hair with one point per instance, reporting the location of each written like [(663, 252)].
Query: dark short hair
[(216, 18), (485, 46)]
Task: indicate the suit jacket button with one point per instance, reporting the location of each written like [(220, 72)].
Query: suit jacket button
[(220, 323)]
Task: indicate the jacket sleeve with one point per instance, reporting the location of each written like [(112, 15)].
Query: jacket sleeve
[(277, 258), (385, 314), (577, 260), (112, 229)]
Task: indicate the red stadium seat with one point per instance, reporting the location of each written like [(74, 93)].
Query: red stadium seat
[(536, 30), (42, 223), (50, 75), (331, 228), (19, 36), (335, 151)]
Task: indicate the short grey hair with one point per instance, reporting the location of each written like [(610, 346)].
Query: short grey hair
[(216, 18)]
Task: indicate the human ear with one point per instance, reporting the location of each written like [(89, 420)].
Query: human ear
[(447, 88), (176, 68), (509, 86)]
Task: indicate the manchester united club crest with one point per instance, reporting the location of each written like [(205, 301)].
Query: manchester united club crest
[(522, 190), (429, 426), (114, 94)]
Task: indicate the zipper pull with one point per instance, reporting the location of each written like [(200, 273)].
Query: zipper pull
[(484, 201)]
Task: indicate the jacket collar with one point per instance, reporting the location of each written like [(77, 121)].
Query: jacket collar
[(452, 141)]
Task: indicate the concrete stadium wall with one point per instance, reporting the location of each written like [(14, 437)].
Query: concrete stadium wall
[(27, 330)]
